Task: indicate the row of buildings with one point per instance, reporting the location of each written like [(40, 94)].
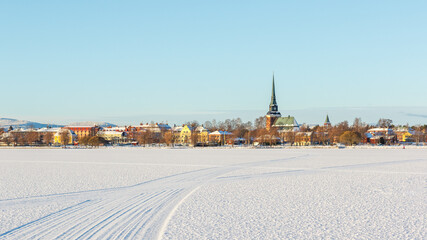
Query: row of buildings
[(199, 136), (139, 134)]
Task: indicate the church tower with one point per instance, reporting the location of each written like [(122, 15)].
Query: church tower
[(327, 122), (273, 112)]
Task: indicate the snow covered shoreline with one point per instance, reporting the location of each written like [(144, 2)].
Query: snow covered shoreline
[(420, 146)]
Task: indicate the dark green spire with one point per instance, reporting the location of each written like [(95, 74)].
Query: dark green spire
[(327, 119), (273, 94), (273, 109)]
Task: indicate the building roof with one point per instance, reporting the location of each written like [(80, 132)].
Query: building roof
[(285, 122), (153, 126), (48, 130), (64, 130), (114, 133), (114, 129), (379, 129), (201, 129), (404, 130), (177, 129), (220, 133)]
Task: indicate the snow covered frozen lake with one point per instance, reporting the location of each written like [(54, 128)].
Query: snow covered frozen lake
[(135, 193)]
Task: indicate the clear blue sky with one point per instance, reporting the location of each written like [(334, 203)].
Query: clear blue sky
[(133, 61)]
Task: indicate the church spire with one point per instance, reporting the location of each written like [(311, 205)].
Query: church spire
[(327, 122), (273, 94), (273, 108)]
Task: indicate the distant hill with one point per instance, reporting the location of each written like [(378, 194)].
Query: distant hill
[(89, 123), (15, 123)]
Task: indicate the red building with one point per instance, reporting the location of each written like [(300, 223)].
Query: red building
[(83, 131)]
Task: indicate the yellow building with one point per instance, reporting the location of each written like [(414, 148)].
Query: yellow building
[(71, 137), (185, 135), (404, 134), (202, 135), (176, 134), (112, 136), (221, 137), (303, 138), (182, 134)]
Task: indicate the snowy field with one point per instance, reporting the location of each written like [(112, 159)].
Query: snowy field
[(133, 193)]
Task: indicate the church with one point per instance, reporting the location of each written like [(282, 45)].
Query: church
[(275, 120)]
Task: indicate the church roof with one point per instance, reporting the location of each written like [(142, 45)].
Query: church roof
[(285, 122)]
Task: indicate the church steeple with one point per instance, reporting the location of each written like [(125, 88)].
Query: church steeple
[(273, 111), (273, 108), (273, 94), (327, 122)]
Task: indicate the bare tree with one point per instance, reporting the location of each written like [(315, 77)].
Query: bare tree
[(248, 125), (418, 134), (64, 137), (336, 131), (273, 134), (289, 137), (260, 122), (240, 132), (385, 123), (208, 125), (96, 141), (262, 136), (14, 137), (194, 124), (169, 137), (194, 136), (21, 138), (84, 141), (48, 138), (144, 137), (32, 137), (8, 139), (214, 124)]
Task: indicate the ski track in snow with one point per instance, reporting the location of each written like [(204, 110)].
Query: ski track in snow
[(136, 212), (140, 211)]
